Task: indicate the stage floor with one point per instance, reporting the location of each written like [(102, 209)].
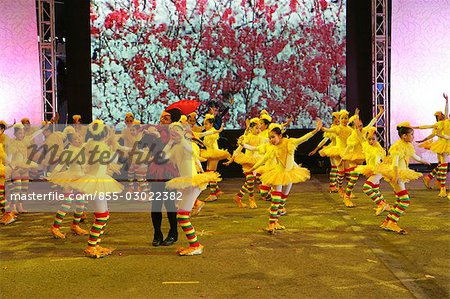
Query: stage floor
[(327, 251)]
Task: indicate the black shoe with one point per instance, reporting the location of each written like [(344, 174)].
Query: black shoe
[(170, 240), (158, 240)]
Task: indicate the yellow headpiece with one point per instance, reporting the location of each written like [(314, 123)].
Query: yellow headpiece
[(129, 114), (209, 116), (175, 125), (265, 115), (343, 112), (2, 122), (69, 130), (254, 120), (99, 129), (336, 114), (76, 116), (46, 122), (274, 125), (19, 126), (136, 122), (183, 119), (353, 119), (370, 132), (437, 113), (25, 119), (404, 124)]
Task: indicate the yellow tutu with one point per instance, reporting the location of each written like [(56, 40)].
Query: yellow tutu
[(405, 175), (94, 184), (355, 156), (65, 179), (214, 154), (441, 146), (278, 176), (427, 144), (244, 159), (365, 170), (332, 151), (200, 180)]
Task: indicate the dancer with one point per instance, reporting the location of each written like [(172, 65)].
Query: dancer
[(285, 172), (189, 183), (353, 154), (441, 147), (63, 177), (396, 172), (324, 152), (374, 154), (247, 160), (212, 153), (342, 132), (96, 182)]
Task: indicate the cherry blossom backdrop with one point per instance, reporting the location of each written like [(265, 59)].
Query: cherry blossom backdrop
[(287, 56), (420, 68), (20, 83)]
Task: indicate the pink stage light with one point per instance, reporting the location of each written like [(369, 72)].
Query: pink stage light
[(20, 83), (420, 69)]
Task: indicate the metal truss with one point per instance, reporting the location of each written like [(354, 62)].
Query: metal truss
[(380, 67), (47, 56)]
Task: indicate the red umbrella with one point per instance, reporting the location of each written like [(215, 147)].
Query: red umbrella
[(185, 106)]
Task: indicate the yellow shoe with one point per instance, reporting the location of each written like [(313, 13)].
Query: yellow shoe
[(239, 202), (91, 251), (348, 202), (77, 230), (57, 234), (270, 229), (252, 203), (8, 218), (279, 227), (103, 250), (381, 207), (443, 192), (341, 192), (393, 227), (384, 223), (191, 251), (197, 207), (334, 189), (426, 181), (211, 198)]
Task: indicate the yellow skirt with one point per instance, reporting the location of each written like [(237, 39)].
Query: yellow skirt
[(332, 151), (90, 184), (214, 154), (65, 179), (200, 180), (357, 157), (441, 146), (427, 144), (277, 176), (404, 175), (243, 159), (365, 170)]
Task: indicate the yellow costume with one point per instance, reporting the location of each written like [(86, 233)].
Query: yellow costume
[(374, 154), (74, 171), (96, 178), (285, 170), (212, 151), (402, 151), (442, 145), (326, 151), (249, 158), (342, 133)]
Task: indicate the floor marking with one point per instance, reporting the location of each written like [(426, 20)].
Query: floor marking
[(381, 283), (67, 259), (180, 282)]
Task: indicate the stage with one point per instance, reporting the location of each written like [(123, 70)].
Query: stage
[(327, 251)]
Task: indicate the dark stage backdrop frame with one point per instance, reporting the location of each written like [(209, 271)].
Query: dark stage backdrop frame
[(76, 16)]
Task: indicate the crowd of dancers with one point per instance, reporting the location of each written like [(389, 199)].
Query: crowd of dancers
[(175, 150)]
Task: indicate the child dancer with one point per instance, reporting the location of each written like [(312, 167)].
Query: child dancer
[(64, 178), (374, 154), (441, 147), (324, 152), (97, 181), (395, 171), (212, 153), (247, 160), (342, 132), (285, 172), (4, 168), (180, 151)]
